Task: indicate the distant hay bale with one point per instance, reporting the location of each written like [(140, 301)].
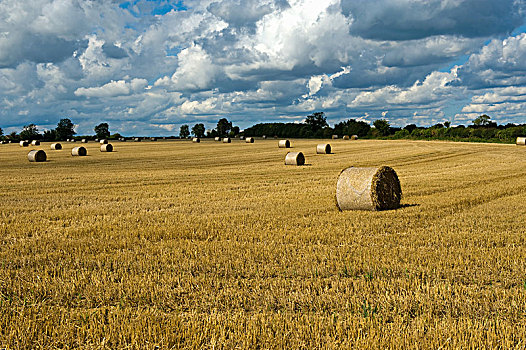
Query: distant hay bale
[(284, 144), (107, 147), (35, 143), (275, 137), (96, 140), (334, 137), (56, 146), (73, 140), (521, 141), (196, 140), (122, 139), (3, 142), (153, 138), (227, 140), (346, 137), (294, 158), (264, 137), (36, 156), (323, 148), (354, 137), (375, 188), (79, 151), (217, 138), (137, 139), (241, 137), (103, 141), (84, 141), (24, 144), (249, 140)]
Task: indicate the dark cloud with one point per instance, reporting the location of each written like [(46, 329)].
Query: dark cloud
[(407, 20), (112, 51)]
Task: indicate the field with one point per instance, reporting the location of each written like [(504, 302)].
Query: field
[(213, 245)]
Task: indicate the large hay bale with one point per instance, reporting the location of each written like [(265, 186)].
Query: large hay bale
[(334, 137), (375, 188), (79, 151), (35, 143), (103, 142), (227, 140), (84, 141), (249, 140), (521, 141), (354, 137), (294, 158), (284, 144), (323, 148), (217, 138), (346, 137), (107, 147), (24, 144), (37, 156), (196, 140), (56, 146)]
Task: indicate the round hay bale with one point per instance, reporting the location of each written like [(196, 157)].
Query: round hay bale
[(37, 156), (103, 142), (73, 140), (294, 158), (242, 137), (24, 144), (346, 137), (249, 140), (3, 142), (217, 138), (196, 140), (137, 139), (84, 141), (323, 148), (35, 143), (122, 139), (284, 144), (107, 147), (153, 139), (227, 140), (375, 188), (264, 137), (521, 141), (354, 137), (79, 151), (334, 137), (56, 146)]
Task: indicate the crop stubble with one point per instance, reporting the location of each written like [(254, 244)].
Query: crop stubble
[(221, 245)]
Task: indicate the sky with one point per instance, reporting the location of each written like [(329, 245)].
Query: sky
[(147, 67)]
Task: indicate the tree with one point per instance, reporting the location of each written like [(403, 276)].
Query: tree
[(447, 124), (234, 131), (1, 132), (223, 127), (29, 132), (482, 120), (198, 130), (184, 131), (102, 130), (50, 135), (316, 121), (65, 129), (382, 126)]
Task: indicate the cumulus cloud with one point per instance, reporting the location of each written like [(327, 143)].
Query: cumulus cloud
[(153, 65)]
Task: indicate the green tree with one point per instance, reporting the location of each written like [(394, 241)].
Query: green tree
[(50, 135), (234, 131), (382, 126), (223, 127), (482, 120), (184, 131), (316, 121), (102, 130), (29, 132), (1, 132), (198, 130), (447, 124), (65, 129)]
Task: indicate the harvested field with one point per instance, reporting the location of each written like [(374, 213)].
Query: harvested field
[(209, 247)]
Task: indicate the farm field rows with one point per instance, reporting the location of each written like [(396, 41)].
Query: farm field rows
[(213, 245)]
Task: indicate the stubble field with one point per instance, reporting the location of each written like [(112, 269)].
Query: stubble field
[(213, 245)]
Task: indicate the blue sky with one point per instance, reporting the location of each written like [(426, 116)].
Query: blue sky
[(147, 67)]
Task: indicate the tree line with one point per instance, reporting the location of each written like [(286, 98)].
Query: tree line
[(482, 129)]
